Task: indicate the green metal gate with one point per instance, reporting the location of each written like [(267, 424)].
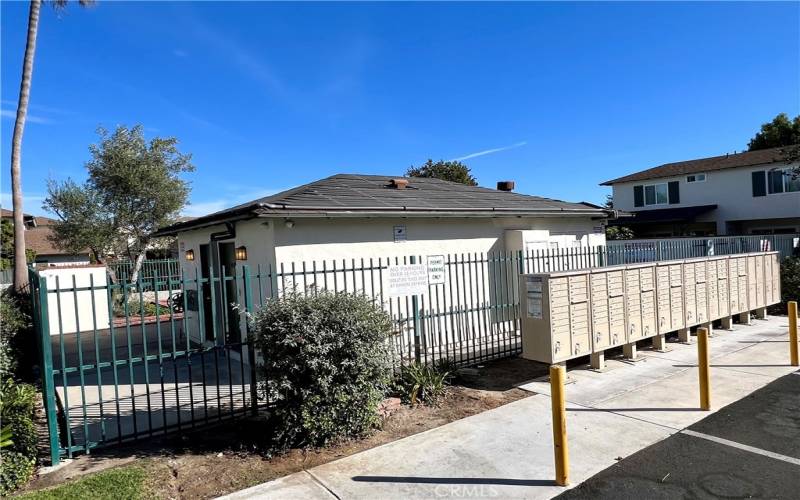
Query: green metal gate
[(116, 370)]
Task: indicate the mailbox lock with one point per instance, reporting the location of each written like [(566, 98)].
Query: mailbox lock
[(662, 321), (558, 346), (577, 348), (646, 329)]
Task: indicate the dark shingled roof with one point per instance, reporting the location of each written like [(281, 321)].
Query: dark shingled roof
[(353, 194), (745, 159)]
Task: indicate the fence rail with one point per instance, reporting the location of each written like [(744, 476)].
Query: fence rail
[(176, 352), (650, 250), (163, 268)]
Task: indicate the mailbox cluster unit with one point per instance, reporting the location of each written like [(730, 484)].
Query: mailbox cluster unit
[(575, 313)]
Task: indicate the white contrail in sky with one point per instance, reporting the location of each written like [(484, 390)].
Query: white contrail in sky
[(490, 151)]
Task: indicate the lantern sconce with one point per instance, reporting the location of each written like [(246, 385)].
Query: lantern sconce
[(241, 253), (189, 254)]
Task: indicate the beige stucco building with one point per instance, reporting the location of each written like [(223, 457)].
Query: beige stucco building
[(345, 218)]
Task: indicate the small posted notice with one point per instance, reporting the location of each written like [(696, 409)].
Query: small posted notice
[(436, 273), (533, 292), (410, 279)]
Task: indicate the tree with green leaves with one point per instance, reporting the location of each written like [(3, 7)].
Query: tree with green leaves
[(134, 187), (20, 270), (781, 131), (7, 246), (453, 171)]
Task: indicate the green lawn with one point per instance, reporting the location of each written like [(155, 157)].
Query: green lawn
[(125, 482)]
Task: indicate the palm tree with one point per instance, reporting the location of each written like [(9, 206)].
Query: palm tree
[(20, 264)]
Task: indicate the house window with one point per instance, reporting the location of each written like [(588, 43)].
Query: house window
[(656, 194), (696, 178), (782, 181)]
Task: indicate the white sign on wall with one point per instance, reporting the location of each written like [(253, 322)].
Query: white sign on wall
[(436, 271), (410, 279)]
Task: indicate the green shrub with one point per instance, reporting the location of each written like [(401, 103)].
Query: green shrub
[(16, 333), (327, 364), (17, 403), (790, 284), (136, 307), (423, 383)]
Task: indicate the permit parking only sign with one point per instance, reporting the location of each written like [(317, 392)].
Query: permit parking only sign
[(436, 272)]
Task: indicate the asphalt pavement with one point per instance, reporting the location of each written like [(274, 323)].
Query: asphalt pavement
[(748, 449)]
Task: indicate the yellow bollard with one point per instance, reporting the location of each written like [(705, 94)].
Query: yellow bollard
[(793, 333), (702, 365), (557, 376)]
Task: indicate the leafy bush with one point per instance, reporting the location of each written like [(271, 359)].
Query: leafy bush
[(136, 307), (327, 364), (17, 403), (423, 383), (790, 282), (16, 333)]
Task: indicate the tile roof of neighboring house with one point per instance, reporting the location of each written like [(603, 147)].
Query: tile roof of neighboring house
[(374, 195), (745, 159), (37, 237)]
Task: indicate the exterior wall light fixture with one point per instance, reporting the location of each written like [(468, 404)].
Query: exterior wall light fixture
[(189, 254), (241, 253)]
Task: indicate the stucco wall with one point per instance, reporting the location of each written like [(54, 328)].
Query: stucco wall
[(276, 245), (731, 190), (84, 318)]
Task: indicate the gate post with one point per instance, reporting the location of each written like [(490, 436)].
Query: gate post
[(251, 349), (42, 326), (416, 320)]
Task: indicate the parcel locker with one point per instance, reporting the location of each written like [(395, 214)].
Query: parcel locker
[(608, 308), (712, 290), (752, 283), (761, 298), (663, 303), (556, 323), (772, 277), (647, 282), (723, 292), (776, 277), (690, 294), (676, 295), (700, 289), (571, 314), (733, 286), (633, 304), (741, 265)]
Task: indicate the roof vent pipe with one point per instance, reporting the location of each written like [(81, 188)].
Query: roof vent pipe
[(505, 185), (398, 183)]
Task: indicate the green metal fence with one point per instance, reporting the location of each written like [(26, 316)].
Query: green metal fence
[(166, 269), (117, 370)]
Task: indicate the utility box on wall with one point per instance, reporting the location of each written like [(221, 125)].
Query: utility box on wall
[(574, 313)]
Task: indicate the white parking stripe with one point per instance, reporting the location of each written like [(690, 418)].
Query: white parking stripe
[(751, 449)]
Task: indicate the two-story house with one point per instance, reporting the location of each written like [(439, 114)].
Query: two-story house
[(754, 192)]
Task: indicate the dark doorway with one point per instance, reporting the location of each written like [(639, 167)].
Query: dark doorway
[(205, 273), (229, 295)]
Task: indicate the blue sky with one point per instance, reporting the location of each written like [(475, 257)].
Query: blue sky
[(558, 96)]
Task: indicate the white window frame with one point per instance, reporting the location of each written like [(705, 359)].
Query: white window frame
[(655, 194), (695, 179), (786, 178)]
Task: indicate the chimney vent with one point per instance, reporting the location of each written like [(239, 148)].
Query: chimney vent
[(398, 183), (505, 185)]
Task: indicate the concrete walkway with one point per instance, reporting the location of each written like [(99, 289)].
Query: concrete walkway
[(507, 452)]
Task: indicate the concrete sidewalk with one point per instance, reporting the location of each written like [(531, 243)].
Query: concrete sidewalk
[(507, 452)]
